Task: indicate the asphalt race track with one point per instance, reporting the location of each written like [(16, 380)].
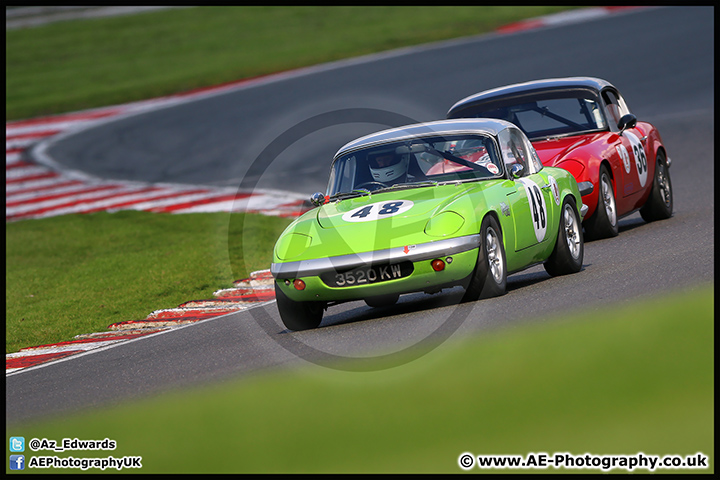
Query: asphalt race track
[(661, 59)]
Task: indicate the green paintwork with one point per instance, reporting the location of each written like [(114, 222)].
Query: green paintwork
[(438, 212)]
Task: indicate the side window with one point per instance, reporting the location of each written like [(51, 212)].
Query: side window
[(614, 106), (621, 103), (342, 175), (534, 160), (514, 150), (348, 174)]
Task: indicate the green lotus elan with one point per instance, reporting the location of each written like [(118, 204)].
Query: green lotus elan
[(424, 207)]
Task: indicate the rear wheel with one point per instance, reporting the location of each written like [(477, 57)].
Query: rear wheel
[(659, 205), (604, 222), (567, 257), (298, 315), (489, 279)]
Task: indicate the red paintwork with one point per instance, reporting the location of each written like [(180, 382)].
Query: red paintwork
[(582, 155)]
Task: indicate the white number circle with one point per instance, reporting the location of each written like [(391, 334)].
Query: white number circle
[(622, 151), (378, 210), (538, 209), (640, 159)]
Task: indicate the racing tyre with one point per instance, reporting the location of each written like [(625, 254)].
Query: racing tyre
[(604, 223), (567, 257), (659, 205), (489, 279), (298, 315), (382, 300)]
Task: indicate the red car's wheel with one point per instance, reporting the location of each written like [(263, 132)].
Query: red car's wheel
[(659, 205), (604, 222)]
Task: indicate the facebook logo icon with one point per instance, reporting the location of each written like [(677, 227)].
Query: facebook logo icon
[(17, 462)]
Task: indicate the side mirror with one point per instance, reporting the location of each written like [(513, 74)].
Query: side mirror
[(317, 199), (627, 121), (516, 170)]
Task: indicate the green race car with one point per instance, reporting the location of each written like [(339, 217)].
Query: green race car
[(424, 207)]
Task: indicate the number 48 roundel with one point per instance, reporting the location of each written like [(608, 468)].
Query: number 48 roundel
[(538, 209), (377, 211)]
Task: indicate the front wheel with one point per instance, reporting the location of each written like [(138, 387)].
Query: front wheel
[(567, 257), (298, 315), (604, 222), (659, 205), (489, 279)]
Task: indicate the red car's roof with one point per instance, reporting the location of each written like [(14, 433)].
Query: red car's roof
[(591, 83)]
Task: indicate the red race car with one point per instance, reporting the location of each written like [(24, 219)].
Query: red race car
[(582, 124)]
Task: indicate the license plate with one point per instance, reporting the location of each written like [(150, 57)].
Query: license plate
[(367, 275)]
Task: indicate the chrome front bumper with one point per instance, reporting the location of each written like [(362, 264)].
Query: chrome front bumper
[(583, 210), (413, 253)]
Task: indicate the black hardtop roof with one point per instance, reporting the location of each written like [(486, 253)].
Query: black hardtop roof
[(591, 83), (488, 126)]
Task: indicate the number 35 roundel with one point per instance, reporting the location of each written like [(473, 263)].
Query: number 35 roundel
[(377, 211), (538, 209)]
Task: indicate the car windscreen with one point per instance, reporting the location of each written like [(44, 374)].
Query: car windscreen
[(544, 115), (416, 162)]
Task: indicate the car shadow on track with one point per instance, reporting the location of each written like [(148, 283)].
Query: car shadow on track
[(419, 302), (408, 304), (526, 279), (624, 225), (630, 223)]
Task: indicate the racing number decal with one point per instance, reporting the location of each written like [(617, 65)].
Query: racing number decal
[(555, 189), (390, 208), (622, 151), (538, 208), (377, 211), (640, 158)]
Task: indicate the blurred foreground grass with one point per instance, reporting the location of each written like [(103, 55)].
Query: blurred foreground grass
[(633, 378)]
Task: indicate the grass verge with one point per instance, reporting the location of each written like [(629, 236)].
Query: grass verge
[(80, 64), (634, 378), (79, 273)]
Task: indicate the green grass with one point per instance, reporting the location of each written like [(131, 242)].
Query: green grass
[(634, 378), (79, 273), (80, 64)]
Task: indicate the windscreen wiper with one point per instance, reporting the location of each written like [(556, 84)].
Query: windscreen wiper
[(401, 186), (359, 192)]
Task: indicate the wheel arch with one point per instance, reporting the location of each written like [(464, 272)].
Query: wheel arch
[(571, 197), (606, 163), (494, 214), (608, 166), (505, 226), (661, 149)]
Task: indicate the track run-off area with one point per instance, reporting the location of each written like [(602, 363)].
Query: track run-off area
[(42, 189)]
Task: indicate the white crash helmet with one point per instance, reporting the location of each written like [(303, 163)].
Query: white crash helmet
[(386, 166)]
